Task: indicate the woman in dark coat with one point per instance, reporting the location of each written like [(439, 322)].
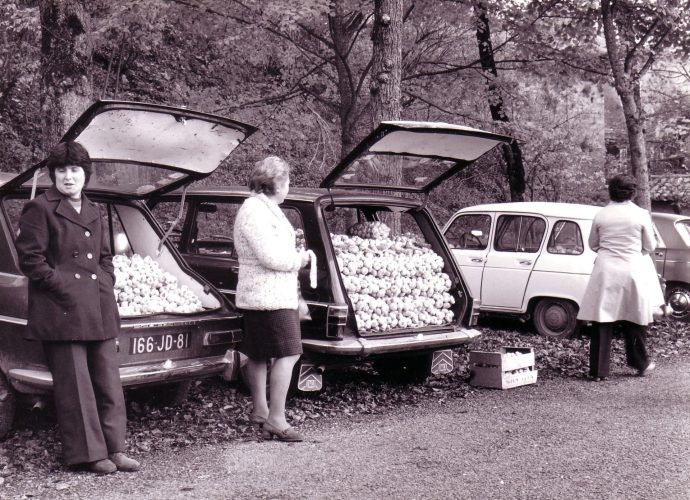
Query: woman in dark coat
[(64, 250)]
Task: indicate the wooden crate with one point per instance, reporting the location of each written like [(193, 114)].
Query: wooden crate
[(510, 367)]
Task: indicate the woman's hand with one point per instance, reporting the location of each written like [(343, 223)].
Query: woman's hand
[(305, 258)]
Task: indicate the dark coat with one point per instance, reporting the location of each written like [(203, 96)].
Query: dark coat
[(66, 256)]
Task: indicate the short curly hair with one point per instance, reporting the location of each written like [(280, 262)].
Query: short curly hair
[(622, 187), (69, 153), (267, 173)]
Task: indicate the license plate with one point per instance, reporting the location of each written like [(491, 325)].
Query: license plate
[(159, 343)]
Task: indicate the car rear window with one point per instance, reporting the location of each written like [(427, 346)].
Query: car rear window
[(346, 220), (566, 238)]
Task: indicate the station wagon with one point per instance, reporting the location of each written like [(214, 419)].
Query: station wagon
[(137, 150), (388, 289)]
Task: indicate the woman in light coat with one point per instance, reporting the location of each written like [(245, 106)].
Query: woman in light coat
[(624, 288), (267, 294)]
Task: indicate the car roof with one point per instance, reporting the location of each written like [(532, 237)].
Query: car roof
[(297, 194), (669, 216), (6, 176), (546, 208)]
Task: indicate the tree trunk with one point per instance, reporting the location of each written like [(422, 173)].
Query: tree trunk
[(65, 63), (386, 78), (634, 124), (627, 85), (343, 28), (386, 74), (512, 154)]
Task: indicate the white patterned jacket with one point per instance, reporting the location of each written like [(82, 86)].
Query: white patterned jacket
[(265, 244)]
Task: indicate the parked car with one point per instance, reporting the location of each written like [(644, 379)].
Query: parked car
[(673, 260), (529, 259), (388, 288), (532, 260), (138, 150)]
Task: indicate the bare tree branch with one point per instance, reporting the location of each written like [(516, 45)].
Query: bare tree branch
[(438, 107), (631, 53)]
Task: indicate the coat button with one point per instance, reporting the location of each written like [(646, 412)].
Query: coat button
[(77, 275), (75, 254), (93, 276), (87, 233), (89, 255)]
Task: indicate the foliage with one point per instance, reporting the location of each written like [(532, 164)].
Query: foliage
[(271, 64), (19, 63)]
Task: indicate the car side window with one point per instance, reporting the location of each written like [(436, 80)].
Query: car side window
[(470, 232), (13, 208), (519, 233), (166, 213), (212, 231), (566, 238), (295, 218)]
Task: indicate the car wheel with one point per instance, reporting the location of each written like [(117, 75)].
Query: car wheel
[(555, 318), (678, 297), (404, 370), (8, 405)]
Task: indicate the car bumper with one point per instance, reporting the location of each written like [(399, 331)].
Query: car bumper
[(30, 380), (369, 347)]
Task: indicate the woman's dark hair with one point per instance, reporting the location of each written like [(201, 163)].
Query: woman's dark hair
[(267, 173), (622, 187), (69, 153)]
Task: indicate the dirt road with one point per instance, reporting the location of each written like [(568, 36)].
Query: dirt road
[(562, 438)]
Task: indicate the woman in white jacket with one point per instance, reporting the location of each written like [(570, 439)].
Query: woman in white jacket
[(267, 294), (624, 288)]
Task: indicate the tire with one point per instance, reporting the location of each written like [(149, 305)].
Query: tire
[(555, 318), (404, 370), (8, 406), (678, 298)]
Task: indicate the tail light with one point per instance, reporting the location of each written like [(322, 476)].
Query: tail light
[(337, 319)]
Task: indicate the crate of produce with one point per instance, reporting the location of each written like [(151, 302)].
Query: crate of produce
[(510, 367)]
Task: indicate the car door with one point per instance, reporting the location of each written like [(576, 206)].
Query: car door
[(468, 236), (517, 242), (660, 251)]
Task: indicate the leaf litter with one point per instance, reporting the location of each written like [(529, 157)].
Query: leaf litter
[(216, 411)]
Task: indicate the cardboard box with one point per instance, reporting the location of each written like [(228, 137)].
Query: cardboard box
[(507, 368)]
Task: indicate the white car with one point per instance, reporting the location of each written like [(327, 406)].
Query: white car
[(526, 258)]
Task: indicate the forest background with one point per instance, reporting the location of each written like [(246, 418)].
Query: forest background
[(305, 72)]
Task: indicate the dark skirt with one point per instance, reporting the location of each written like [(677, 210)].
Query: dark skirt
[(271, 334)]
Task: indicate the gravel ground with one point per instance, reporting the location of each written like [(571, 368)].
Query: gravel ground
[(564, 437)]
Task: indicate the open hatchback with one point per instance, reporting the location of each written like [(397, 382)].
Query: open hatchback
[(175, 325), (388, 289)]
